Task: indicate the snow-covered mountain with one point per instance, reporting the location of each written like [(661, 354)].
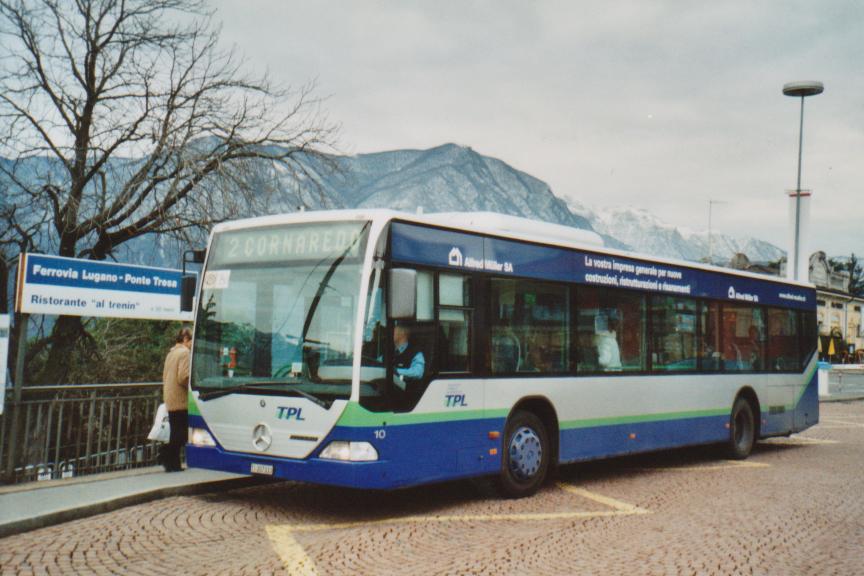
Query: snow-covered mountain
[(446, 178), (649, 234), (456, 178)]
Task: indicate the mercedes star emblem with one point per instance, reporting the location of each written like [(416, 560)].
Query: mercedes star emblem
[(261, 437)]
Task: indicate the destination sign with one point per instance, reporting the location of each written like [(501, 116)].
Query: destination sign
[(288, 243)]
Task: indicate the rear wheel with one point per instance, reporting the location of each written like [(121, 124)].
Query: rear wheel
[(742, 430), (525, 461)]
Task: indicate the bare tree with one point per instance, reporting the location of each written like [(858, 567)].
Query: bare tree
[(120, 118)]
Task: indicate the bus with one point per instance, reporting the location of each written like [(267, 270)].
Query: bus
[(536, 345)]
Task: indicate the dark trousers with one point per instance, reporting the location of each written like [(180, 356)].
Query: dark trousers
[(179, 422)]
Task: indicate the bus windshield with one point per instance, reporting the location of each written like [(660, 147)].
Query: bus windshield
[(277, 310)]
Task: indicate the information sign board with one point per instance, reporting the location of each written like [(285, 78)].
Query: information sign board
[(75, 287)]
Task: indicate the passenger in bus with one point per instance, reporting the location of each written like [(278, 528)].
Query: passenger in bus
[(754, 344), (408, 360), (608, 352), (544, 352), (505, 354)]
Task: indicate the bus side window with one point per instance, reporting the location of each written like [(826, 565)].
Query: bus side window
[(420, 343), (454, 318), (782, 340), (710, 337), (529, 326), (743, 338), (673, 333), (611, 328)]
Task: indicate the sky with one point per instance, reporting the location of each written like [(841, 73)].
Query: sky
[(662, 105)]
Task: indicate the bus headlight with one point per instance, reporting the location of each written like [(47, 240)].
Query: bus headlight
[(350, 451), (200, 437)]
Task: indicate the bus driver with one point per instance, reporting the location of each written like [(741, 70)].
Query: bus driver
[(408, 360)]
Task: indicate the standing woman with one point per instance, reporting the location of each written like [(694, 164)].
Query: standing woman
[(175, 387)]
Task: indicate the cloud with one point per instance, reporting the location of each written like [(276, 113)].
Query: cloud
[(663, 105)]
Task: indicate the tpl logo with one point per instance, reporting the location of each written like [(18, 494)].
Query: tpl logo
[(289, 412), (454, 400)]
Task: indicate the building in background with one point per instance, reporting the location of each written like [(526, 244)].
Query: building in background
[(838, 312)]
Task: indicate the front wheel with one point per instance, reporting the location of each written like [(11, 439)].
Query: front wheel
[(742, 430), (525, 461)]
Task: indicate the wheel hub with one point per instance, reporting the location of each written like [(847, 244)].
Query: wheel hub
[(526, 453), (742, 431)]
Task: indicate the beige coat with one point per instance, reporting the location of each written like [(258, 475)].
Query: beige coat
[(175, 378)]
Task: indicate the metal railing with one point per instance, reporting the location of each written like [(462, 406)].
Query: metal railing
[(65, 431), (846, 381)]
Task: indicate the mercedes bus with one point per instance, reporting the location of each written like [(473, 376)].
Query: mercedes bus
[(537, 347)]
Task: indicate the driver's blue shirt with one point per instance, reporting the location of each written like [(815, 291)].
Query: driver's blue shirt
[(416, 369)]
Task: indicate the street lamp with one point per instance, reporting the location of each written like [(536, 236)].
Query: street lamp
[(800, 90)]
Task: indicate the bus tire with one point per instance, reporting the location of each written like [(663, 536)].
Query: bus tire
[(742, 430), (525, 458)]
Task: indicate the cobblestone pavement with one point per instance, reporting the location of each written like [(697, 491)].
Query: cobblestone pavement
[(795, 507)]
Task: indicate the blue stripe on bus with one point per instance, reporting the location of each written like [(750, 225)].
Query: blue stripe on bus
[(579, 444)]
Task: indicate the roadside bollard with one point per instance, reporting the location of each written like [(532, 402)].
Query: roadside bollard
[(824, 368)]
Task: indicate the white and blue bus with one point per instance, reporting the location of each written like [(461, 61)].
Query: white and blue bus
[(530, 345)]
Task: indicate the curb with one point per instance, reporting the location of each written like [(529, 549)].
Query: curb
[(61, 516), (850, 398)]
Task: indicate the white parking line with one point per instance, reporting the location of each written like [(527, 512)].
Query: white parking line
[(621, 507), (297, 562), (844, 423), (725, 465), (294, 558), (798, 441)]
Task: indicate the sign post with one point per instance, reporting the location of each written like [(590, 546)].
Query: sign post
[(4, 356), (56, 285)]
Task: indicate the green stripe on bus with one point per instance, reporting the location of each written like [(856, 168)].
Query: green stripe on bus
[(640, 418), (193, 405), (357, 416)]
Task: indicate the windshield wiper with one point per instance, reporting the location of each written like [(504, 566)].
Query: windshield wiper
[(310, 396), (325, 283), (252, 386), (238, 388)]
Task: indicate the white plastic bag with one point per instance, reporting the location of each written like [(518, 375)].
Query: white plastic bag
[(161, 431)]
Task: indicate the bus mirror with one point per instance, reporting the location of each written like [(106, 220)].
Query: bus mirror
[(197, 256), (403, 294), (187, 292)]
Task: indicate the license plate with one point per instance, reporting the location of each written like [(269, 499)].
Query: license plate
[(262, 469)]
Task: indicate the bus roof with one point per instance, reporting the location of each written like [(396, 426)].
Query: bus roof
[(493, 224)]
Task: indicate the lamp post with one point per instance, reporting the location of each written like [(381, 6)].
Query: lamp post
[(800, 90)]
